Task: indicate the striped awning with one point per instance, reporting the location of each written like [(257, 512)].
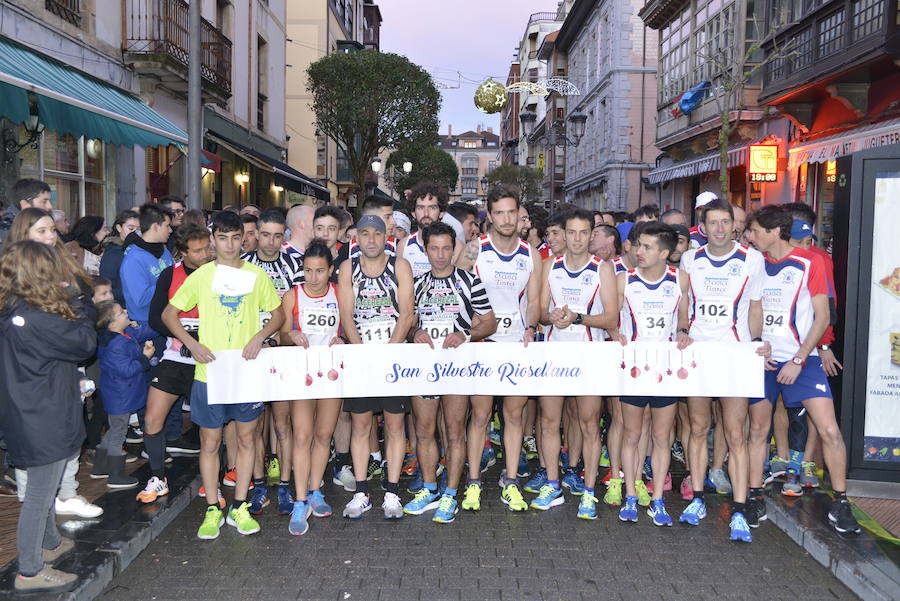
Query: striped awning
[(737, 155)]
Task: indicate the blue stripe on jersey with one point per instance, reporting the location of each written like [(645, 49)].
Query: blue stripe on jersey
[(701, 252), (773, 269), (520, 250), (669, 277)]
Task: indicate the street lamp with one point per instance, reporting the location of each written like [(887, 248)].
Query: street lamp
[(376, 165), (554, 137), (407, 167), (528, 119)]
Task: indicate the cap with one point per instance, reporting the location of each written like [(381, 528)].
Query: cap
[(681, 230), (801, 229), (705, 198), (624, 229), (402, 221), (371, 221)]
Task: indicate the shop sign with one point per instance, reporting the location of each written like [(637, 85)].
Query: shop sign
[(763, 163), (884, 135), (540, 161), (830, 172)]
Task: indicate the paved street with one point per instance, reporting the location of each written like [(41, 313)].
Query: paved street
[(489, 555)]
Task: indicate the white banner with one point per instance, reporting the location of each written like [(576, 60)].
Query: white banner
[(504, 369)]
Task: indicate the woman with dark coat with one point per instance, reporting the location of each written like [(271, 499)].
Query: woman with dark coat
[(46, 329), (126, 224)]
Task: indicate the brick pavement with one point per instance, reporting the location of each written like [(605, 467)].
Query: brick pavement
[(489, 555)]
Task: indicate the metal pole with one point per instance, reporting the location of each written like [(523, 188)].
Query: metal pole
[(552, 140), (195, 108)]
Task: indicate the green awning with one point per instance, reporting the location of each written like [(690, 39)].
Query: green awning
[(72, 102)]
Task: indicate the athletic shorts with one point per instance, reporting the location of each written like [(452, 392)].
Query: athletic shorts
[(655, 402), (173, 377), (215, 416), (810, 384), (387, 404)]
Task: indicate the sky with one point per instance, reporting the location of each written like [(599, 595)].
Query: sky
[(476, 38)]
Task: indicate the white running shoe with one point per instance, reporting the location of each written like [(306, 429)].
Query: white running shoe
[(393, 508), (358, 505), (345, 478), (155, 488), (78, 506)]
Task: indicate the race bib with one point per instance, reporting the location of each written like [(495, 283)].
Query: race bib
[(712, 312), (653, 326), (264, 318), (376, 331), (438, 329), (191, 324), (320, 322), (507, 323), (776, 323)]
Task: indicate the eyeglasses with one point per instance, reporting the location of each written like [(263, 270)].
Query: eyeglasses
[(178, 211)]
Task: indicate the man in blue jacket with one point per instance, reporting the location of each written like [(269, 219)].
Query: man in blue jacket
[(144, 261)]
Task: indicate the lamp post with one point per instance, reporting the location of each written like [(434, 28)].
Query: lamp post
[(484, 186), (554, 137)]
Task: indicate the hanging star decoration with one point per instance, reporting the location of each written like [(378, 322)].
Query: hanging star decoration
[(491, 96)]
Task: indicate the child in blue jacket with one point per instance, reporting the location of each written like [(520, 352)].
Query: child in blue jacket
[(124, 350)]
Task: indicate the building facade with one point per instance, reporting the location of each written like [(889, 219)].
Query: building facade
[(476, 154), (509, 122)]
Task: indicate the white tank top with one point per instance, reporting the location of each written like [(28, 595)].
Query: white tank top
[(580, 290), (316, 316), (414, 252), (650, 311), (505, 278)]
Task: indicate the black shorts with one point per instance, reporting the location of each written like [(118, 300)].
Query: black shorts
[(386, 404), (655, 402), (173, 377)]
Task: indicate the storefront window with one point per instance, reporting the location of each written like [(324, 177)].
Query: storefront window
[(60, 152), (65, 195)]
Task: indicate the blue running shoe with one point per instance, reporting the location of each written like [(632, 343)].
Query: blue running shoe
[(693, 513), (523, 470), (442, 483), (425, 500), (628, 513), (285, 500), (548, 497), (320, 508), (537, 481), (300, 513), (587, 508), (446, 511), (564, 458), (604, 457), (488, 458), (657, 511), (573, 482), (740, 531), (494, 437), (708, 484), (259, 499), (416, 484), (648, 470)]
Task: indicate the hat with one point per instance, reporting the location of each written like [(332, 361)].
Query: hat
[(624, 229), (681, 230), (801, 229), (371, 221), (402, 221), (705, 198)]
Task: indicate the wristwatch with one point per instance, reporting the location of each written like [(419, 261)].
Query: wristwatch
[(684, 331), (579, 319), (824, 347), (798, 361), (467, 334)]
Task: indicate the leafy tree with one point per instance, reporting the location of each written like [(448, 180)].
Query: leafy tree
[(368, 101), (529, 180), (429, 162)]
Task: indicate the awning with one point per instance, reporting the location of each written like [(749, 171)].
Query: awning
[(285, 175), (71, 102), (848, 142), (737, 155)]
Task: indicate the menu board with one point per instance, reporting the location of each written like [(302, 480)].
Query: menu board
[(882, 425)]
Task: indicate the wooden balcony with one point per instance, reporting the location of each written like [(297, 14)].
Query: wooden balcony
[(155, 41)]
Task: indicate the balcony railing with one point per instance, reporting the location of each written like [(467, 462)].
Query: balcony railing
[(469, 171), (547, 16), (69, 10), (160, 27)]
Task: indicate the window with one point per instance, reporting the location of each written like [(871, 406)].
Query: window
[(262, 61), (491, 166), (674, 48), (831, 34), (469, 165), (713, 39), (469, 185), (470, 144), (867, 17)]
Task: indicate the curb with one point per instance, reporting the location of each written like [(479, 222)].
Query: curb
[(868, 567)]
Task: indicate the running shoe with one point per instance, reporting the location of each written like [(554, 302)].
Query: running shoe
[(841, 517), (488, 458), (643, 494), (667, 483), (357, 506), (472, 497), (410, 462), (564, 457), (240, 519), (202, 493), (523, 470), (155, 488), (374, 469), (512, 497), (808, 477), (647, 470), (212, 522), (494, 437), (740, 530), (425, 500), (629, 513), (657, 511), (720, 479), (259, 500), (392, 507), (300, 512), (79, 506), (273, 472), (613, 494), (285, 501), (548, 497), (678, 451), (446, 511), (708, 485), (230, 478), (587, 507), (344, 477), (417, 484), (320, 508), (575, 484), (687, 488), (767, 478), (134, 435), (606, 478), (529, 446), (604, 457), (756, 512), (183, 445), (537, 481), (791, 486), (778, 466), (693, 513), (168, 458)]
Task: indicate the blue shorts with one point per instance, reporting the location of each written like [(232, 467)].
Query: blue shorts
[(655, 402), (215, 416), (810, 384)]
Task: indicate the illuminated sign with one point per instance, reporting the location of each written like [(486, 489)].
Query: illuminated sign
[(830, 172), (763, 163)]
